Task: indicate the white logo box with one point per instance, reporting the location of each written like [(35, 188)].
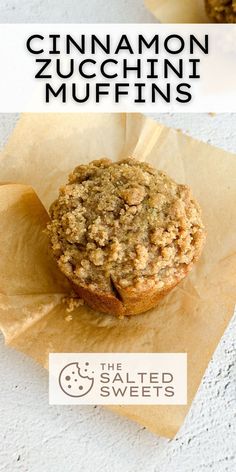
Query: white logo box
[(118, 378)]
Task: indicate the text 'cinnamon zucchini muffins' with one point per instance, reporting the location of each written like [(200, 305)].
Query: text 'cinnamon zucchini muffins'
[(124, 234)]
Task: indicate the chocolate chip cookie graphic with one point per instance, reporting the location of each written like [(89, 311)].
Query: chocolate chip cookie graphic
[(74, 379)]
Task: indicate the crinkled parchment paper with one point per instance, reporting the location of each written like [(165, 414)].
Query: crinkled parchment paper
[(42, 150), (178, 11)]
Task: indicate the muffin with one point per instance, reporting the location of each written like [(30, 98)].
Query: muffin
[(124, 234), (221, 11)]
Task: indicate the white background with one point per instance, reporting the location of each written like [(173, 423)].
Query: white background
[(36, 437)]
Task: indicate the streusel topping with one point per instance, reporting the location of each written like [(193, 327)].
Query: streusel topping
[(221, 11)]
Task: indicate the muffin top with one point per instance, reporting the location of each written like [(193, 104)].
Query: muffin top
[(124, 224), (221, 11)]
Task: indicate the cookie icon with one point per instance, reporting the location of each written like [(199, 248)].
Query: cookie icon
[(74, 379)]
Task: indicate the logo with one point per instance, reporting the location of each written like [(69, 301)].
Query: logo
[(118, 378), (74, 379)]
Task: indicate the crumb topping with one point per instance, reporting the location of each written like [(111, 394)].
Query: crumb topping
[(124, 224), (71, 303), (221, 11)]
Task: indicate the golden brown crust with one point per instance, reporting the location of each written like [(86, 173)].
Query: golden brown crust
[(124, 234), (130, 301), (221, 11), (100, 301)]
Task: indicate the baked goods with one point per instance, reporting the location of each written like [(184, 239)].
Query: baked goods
[(221, 11), (124, 234)]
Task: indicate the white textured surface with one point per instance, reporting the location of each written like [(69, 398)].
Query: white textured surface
[(35, 437), (74, 11)]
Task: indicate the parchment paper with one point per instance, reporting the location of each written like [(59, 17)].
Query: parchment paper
[(178, 11), (42, 150)]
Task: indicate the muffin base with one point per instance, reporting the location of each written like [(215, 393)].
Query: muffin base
[(127, 301)]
